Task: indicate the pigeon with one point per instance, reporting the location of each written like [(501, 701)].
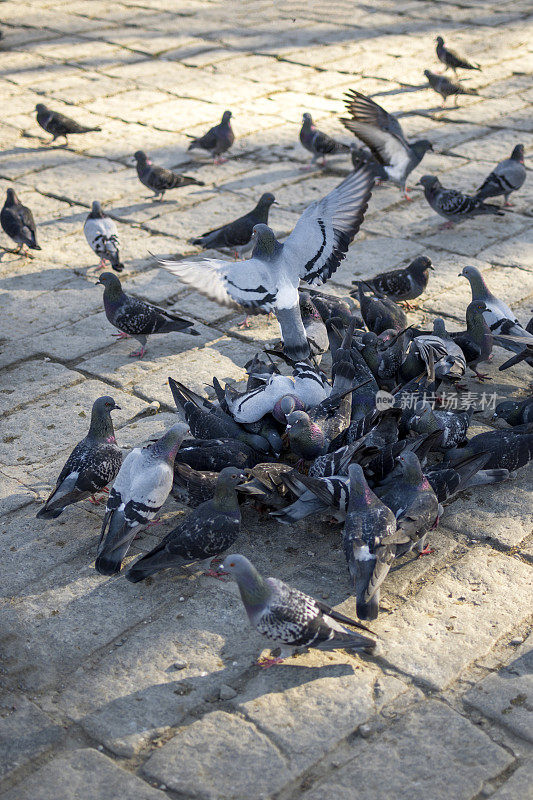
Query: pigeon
[(94, 462), (453, 425), (315, 331), (269, 280), (508, 449), (140, 489), (289, 617), (451, 59), (368, 527), (445, 87), (380, 313), (215, 454), (217, 140), (237, 235), (383, 134), (306, 438), (476, 341), (58, 124), (452, 204), (319, 143), (17, 221), (315, 495), (265, 486), (413, 502), (192, 486), (135, 317), (402, 284), (515, 412), (507, 177), (204, 533), (102, 237), (159, 179), (447, 480), (448, 358)]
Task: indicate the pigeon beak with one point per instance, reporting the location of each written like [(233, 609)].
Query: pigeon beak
[(116, 408), (432, 267), (419, 183)]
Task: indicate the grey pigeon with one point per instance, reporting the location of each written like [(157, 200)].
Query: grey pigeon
[(133, 317), (192, 486), (215, 454), (452, 204), (159, 179), (289, 617), (102, 237), (368, 529), (402, 284), (383, 134), (448, 358), (269, 280), (506, 177), (380, 313), (237, 235), (315, 496), (451, 59), (94, 462), (140, 489), (319, 143), (515, 412), (17, 221), (58, 124), (307, 439), (315, 331), (204, 533), (476, 342), (329, 305), (448, 480), (445, 87), (508, 449), (453, 425), (217, 140)]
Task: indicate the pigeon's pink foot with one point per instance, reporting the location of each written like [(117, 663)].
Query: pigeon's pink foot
[(121, 335), (154, 521), (323, 163), (408, 306), (219, 160), (95, 500), (265, 663), (447, 226), (508, 205), (245, 323), (139, 353), (482, 377), (426, 551), (407, 196), (216, 573)]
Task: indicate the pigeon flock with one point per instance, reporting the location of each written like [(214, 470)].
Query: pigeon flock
[(343, 421)]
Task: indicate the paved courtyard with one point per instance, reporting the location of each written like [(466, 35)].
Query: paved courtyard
[(114, 690)]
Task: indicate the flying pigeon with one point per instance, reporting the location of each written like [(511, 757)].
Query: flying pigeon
[(159, 179), (58, 124), (445, 87), (383, 134), (289, 617), (269, 280), (94, 462), (17, 221), (319, 143), (515, 412), (217, 140), (402, 284), (452, 204), (133, 317), (237, 235), (102, 237), (368, 529), (140, 489), (451, 59), (507, 176), (204, 533)]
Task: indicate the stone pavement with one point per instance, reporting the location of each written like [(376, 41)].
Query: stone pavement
[(113, 690)]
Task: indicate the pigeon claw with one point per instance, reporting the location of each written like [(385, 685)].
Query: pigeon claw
[(481, 376), (245, 323), (121, 335), (426, 551), (265, 663), (139, 353)]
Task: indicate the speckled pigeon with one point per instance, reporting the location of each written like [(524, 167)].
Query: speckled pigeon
[(192, 486), (58, 124), (447, 88), (507, 177), (368, 531), (102, 237), (452, 204), (289, 617), (454, 425), (515, 412), (204, 533), (448, 358), (380, 313), (17, 221), (94, 462), (159, 179), (133, 317), (383, 134), (237, 235), (315, 329), (269, 280), (451, 59), (447, 480), (140, 489), (319, 143), (402, 284), (217, 140), (508, 449)]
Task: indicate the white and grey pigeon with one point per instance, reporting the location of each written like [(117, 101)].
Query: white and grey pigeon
[(140, 489), (102, 237), (448, 358), (289, 617), (497, 314), (269, 280), (506, 177), (382, 133)]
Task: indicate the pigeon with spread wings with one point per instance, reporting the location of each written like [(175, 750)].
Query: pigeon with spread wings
[(269, 280), (382, 133)]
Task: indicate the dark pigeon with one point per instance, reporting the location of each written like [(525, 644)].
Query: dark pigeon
[(237, 235), (508, 449), (217, 140), (476, 342), (447, 481), (380, 313), (507, 177), (515, 412), (17, 221), (319, 143), (402, 284), (452, 204), (315, 330), (58, 124), (192, 486), (215, 454), (159, 179), (445, 87), (451, 59)]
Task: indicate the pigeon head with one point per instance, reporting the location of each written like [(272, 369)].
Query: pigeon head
[(307, 119), (518, 153), (226, 116), (507, 411), (169, 444), (410, 465), (266, 245), (429, 182), (359, 491), (420, 265), (439, 40), (266, 200), (101, 424), (40, 107), (369, 339), (96, 210), (254, 591), (428, 73), (421, 146), (112, 285), (477, 284), (231, 476), (307, 440), (11, 198), (140, 157), (439, 328), (285, 406)]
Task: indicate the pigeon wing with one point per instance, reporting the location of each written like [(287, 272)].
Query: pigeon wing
[(379, 130)]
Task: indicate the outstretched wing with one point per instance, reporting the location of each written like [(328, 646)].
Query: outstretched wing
[(323, 233), (379, 130)]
